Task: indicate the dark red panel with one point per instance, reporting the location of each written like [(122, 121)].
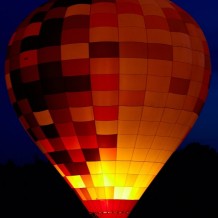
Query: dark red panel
[(105, 82), (179, 86), (107, 141), (160, 51), (106, 113), (91, 154), (75, 67)]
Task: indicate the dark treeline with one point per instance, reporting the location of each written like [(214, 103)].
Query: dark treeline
[(186, 187)]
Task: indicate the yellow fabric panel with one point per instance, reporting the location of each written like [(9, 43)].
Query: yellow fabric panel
[(130, 180), (187, 118), (82, 113), (182, 54), (108, 166), (100, 191), (144, 141), (122, 166), (103, 7), (107, 153), (109, 180), (139, 154), (76, 181), (151, 9), (87, 179), (124, 153), (94, 167), (128, 127), (120, 180), (79, 9), (170, 115), (130, 113), (175, 101), (126, 141), (132, 34), (105, 98), (126, 192), (98, 34), (182, 70), (106, 127), (74, 51), (152, 155), (143, 180), (98, 180), (160, 67), (136, 193), (135, 167), (118, 192), (43, 117), (92, 193), (158, 83), (133, 66), (181, 39), (132, 82), (159, 36), (109, 192), (104, 65), (155, 99), (128, 20), (148, 128), (198, 58), (152, 114)]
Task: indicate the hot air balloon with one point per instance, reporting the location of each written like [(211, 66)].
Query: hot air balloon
[(108, 90)]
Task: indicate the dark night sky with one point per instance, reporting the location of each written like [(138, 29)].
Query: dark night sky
[(16, 145)]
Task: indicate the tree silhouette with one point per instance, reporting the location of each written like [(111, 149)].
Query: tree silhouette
[(185, 187)]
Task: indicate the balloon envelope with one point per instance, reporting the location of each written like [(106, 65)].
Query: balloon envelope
[(108, 90)]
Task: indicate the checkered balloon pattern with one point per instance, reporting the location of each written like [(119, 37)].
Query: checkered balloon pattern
[(108, 90)]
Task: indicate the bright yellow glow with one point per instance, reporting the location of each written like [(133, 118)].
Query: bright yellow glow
[(122, 166), (120, 180), (136, 193), (94, 167), (126, 192), (108, 166), (98, 180), (109, 192), (100, 193), (109, 180), (124, 153), (135, 167), (76, 181), (92, 193)]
